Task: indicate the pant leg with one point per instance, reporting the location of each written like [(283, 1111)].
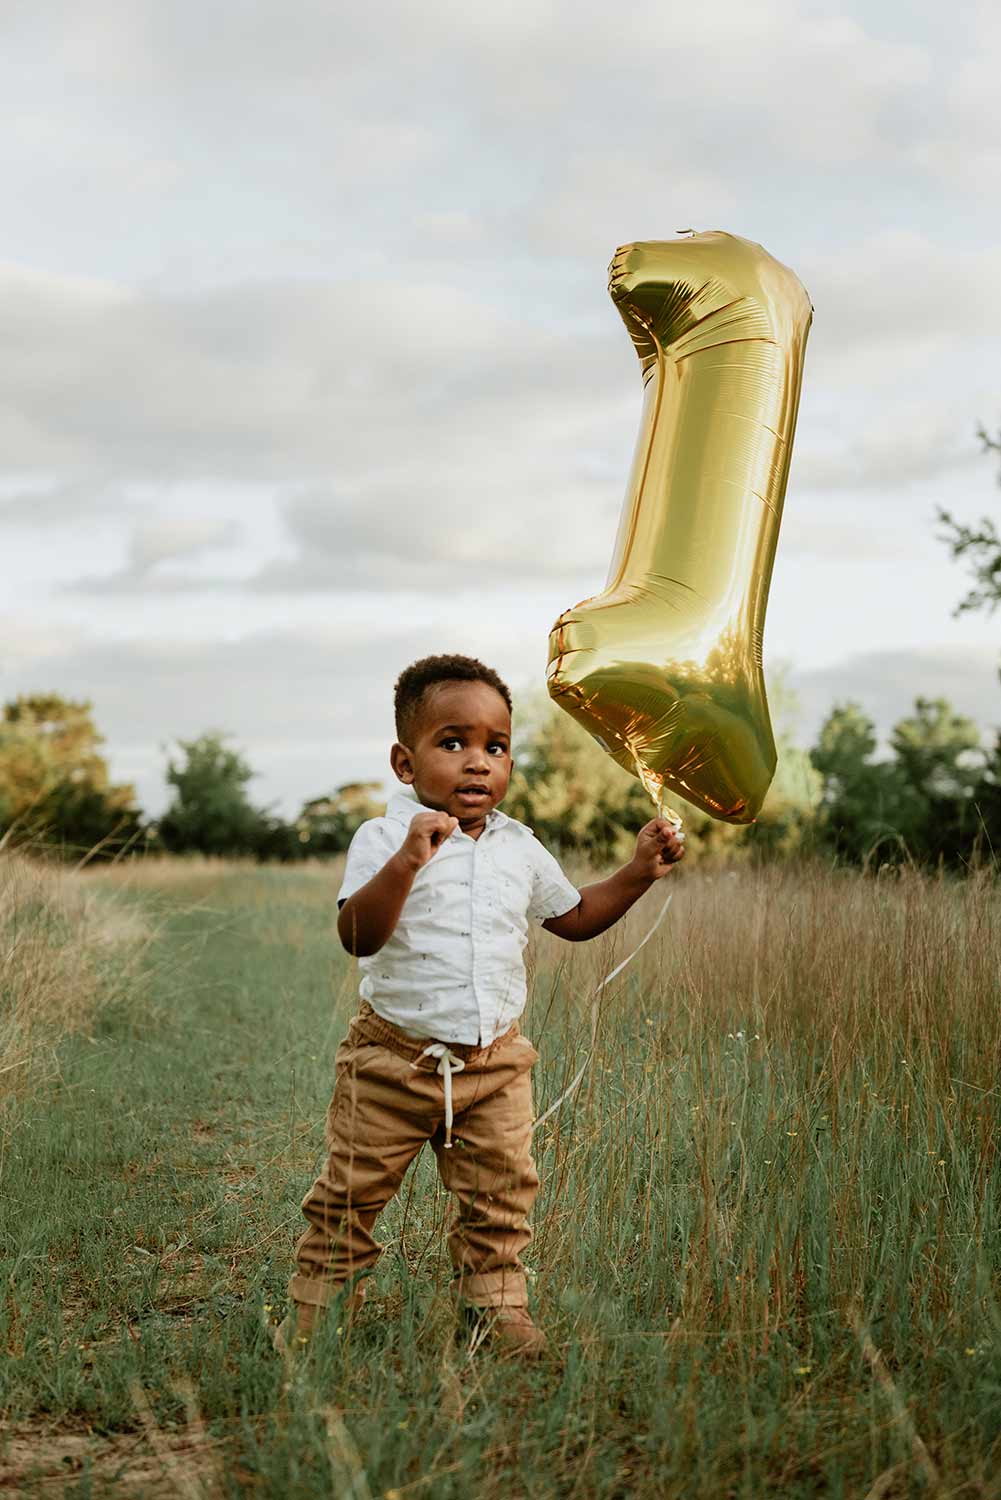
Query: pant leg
[(492, 1175), (376, 1124)]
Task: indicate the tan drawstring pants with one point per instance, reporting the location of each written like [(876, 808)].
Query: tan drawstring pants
[(382, 1111)]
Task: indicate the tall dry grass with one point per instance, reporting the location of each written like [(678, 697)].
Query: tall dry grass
[(767, 1247), (791, 1117), (67, 950), (168, 872)]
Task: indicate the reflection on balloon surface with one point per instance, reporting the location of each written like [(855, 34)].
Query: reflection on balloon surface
[(664, 667)]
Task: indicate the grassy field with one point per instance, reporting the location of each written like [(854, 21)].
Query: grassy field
[(766, 1248)]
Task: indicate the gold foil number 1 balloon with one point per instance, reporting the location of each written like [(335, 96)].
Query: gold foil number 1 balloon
[(664, 667)]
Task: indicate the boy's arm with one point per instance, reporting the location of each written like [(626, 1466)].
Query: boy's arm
[(369, 916), (658, 848), (367, 919)]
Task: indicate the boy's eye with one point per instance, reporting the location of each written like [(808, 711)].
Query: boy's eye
[(453, 739)]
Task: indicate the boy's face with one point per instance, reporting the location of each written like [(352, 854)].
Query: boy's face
[(462, 742)]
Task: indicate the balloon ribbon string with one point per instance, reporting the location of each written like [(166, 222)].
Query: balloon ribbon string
[(594, 1015)]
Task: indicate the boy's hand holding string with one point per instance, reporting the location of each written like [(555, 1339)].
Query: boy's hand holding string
[(658, 848)]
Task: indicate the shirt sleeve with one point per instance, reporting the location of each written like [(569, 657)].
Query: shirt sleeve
[(368, 851), (552, 893)]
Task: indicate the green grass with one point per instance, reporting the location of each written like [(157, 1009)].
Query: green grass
[(766, 1247)]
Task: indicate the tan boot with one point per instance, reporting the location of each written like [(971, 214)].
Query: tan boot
[(510, 1331), (292, 1336)]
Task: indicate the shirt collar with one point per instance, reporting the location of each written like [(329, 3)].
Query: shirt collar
[(403, 806)]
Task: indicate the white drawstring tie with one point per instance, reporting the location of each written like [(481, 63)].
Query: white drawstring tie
[(447, 1064)]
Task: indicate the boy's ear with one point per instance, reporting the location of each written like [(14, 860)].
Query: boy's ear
[(402, 762)]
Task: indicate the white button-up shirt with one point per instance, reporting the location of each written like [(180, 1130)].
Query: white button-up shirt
[(453, 968)]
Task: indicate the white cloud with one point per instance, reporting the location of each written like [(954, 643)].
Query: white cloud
[(962, 143), (909, 443), (281, 379), (899, 294), (155, 542), (886, 684), (37, 504), (423, 397), (601, 187)]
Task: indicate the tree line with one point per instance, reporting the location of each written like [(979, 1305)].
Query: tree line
[(934, 799), (56, 793)]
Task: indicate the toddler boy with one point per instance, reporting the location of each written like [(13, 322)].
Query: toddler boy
[(435, 902)]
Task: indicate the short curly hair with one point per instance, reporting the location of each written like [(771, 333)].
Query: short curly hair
[(414, 681)]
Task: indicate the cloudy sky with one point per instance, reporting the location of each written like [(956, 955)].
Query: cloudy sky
[(308, 367)]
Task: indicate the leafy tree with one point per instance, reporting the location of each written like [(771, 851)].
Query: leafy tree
[(55, 784), (986, 800), (210, 812), (939, 755), (866, 805), (787, 821), (278, 840), (937, 750), (326, 825), (980, 546), (921, 803)]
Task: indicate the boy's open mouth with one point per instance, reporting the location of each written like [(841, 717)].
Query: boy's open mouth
[(472, 794)]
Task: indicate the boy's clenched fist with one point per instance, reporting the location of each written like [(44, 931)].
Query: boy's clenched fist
[(425, 836), (659, 845)]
